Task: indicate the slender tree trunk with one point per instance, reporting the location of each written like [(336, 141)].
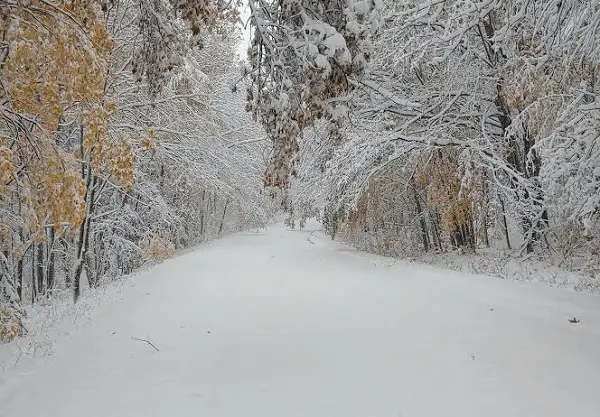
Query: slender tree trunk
[(505, 224), (84, 232), (65, 263), (532, 172), (40, 269), (21, 258), (92, 264), (89, 274), (484, 231), (484, 213), (473, 239), (20, 279), (223, 217), (33, 278), (202, 214), (50, 265), (77, 282)]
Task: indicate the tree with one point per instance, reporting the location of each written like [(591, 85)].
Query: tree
[(503, 87), (305, 56), (116, 136)]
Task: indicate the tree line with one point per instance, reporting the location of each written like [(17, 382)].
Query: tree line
[(120, 141)]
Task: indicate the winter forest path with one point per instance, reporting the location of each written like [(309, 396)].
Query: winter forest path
[(288, 324)]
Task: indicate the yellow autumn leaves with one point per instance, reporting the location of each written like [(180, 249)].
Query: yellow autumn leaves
[(440, 175), (59, 194), (6, 166), (54, 77), (54, 62)]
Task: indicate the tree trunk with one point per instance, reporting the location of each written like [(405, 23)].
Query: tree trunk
[(21, 259), (202, 214), (50, 270), (484, 213), (77, 282), (223, 218), (20, 279), (84, 232), (40, 269), (535, 225), (484, 231), (65, 263), (473, 238), (524, 159), (33, 279), (505, 224)]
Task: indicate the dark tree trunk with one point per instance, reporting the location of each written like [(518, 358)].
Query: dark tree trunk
[(40, 268), (84, 233), (65, 263), (223, 218), (472, 236), (484, 213), (33, 278), (77, 282), (20, 279), (505, 224), (462, 236), (202, 214), (50, 272), (20, 262), (532, 167), (484, 230)]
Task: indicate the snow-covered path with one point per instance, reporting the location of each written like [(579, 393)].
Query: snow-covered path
[(289, 324)]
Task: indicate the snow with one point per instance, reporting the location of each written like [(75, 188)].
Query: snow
[(556, 270), (362, 8), (322, 62), (287, 323)]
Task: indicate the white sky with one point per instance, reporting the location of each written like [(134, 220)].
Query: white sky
[(245, 14)]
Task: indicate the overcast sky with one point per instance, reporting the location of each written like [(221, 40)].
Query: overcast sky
[(245, 14)]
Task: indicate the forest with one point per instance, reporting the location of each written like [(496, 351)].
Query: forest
[(131, 130)]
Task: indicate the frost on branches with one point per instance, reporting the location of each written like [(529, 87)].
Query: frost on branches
[(120, 142), (168, 30), (480, 118), (305, 58)]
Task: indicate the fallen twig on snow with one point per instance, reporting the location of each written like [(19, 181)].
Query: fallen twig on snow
[(147, 341)]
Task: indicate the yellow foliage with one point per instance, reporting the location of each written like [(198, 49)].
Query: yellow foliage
[(53, 63), (122, 164), (440, 174), (57, 69), (158, 247), (148, 144), (58, 193), (6, 166), (149, 141), (9, 324)]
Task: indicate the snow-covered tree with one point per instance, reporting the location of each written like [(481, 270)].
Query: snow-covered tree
[(120, 140), (503, 94), (305, 58)]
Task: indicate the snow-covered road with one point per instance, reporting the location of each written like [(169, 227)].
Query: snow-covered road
[(289, 324)]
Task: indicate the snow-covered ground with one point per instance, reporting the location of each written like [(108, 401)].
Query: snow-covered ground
[(289, 324)]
